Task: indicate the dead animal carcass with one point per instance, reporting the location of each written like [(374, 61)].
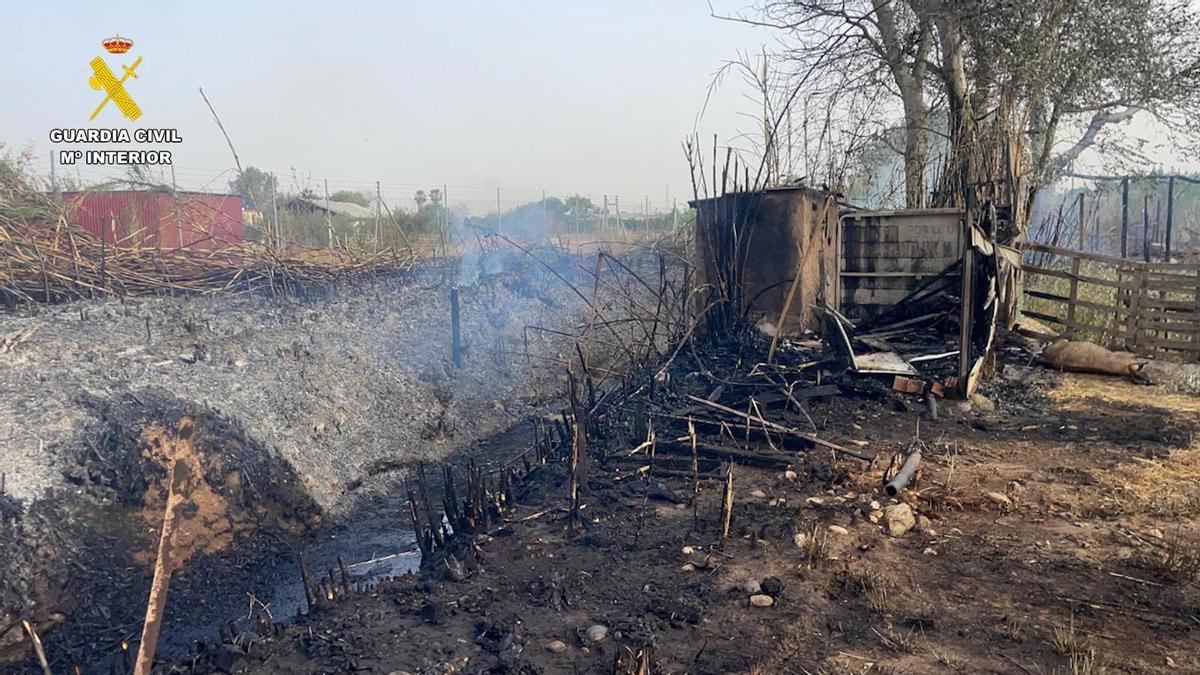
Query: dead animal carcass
[(1086, 357)]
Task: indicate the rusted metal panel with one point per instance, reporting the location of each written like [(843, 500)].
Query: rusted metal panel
[(138, 218), (885, 254), (791, 232)]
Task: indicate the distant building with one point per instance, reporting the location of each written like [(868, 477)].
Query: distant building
[(348, 209)]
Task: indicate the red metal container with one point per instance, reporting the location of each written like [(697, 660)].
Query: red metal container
[(146, 218)]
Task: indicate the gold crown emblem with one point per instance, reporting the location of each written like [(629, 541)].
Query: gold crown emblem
[(117, 44)]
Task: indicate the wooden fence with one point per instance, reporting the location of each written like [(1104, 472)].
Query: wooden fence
[(1143, 307)]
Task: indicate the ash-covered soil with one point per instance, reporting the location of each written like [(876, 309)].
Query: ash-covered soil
[(1045, 532), (308, 411)]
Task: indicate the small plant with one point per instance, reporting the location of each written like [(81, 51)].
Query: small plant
[(815, 546), (1012, 628), (1180, 563), (946, 659), (1087, 663), (897, 641), (1069, 642), (873, 586)]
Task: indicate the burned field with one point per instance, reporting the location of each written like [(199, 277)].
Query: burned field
[(657, 460), (308, 411), (1024, 543)]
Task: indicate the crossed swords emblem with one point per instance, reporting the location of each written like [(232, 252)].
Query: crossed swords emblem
[(114, 88)]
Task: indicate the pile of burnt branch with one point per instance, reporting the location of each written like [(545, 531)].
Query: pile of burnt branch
[(50, 262), (915, 342)]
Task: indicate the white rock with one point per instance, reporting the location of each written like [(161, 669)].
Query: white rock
[(688, 550), (758, 494), (596, 633), (688, 567), (875, 506), (800, 539), (838, 529), (814, 501), (761, 600), (898, 519), (789, 474), (556, 646), (875, 516), (930, 551)]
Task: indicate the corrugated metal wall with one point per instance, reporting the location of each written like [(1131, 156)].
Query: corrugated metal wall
[(144, 218)]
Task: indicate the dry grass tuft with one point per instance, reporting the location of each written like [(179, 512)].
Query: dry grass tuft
[(1073, 644), (1067, 641), (1178, 562), (1167, 488), (873, 586), (1087, 663), (897, 641), (815, 546), (945, 658), (1012, 628)]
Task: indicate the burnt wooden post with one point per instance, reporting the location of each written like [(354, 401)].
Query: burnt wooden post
[(1125, 217), (1146, 228), (1081, 221), (1075, 263), (966, 308), (455, 329), (1170, 214)]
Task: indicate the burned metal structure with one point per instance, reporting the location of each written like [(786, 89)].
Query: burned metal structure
[(913, 294)]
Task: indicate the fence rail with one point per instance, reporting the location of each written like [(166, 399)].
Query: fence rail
[(1145, 307)]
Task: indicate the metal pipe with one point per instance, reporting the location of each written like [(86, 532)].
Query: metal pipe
[(900, 480)]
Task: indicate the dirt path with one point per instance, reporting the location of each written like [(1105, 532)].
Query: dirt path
[(1054, 533)]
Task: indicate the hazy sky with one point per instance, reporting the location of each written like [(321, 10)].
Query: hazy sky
[(587, 96), (590, 97)]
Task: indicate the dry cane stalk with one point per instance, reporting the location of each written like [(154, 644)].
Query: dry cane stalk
[(695, 477), (576, 451), (727, 505), (38, 651), (179, 493)]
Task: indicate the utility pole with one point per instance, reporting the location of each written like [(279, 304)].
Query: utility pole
[(378, 200), (791, 168), (275, 212), (675, 217), (328, 214), (604, 216), (175, 201)]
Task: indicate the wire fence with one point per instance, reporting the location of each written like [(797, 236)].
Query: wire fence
[(302, 207)]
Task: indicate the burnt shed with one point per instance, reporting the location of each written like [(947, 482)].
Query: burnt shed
[(784, 237)]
